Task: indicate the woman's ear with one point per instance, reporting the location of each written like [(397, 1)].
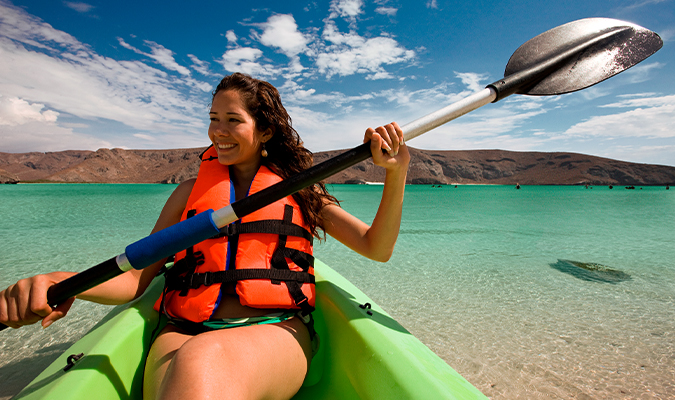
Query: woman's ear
[(267, 135)]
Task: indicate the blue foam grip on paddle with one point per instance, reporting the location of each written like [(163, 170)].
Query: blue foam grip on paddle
[(171, 240)]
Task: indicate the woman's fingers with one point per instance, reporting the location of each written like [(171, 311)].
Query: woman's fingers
[(388, 137), (25, 303), (59, 312)]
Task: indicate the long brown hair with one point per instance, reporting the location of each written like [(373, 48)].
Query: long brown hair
[(286, 154)]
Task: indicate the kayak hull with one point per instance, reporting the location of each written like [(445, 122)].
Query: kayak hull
[(363, 354)]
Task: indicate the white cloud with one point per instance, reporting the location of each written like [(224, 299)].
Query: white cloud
[(160, 54), (16, 24), (281, 31), (39, 136), (78, 6), (490, 128), (432, 4), (641, 73), (351, 53), (345, 8), (294, 93), (231, 36), (201, 66), (391, 11), (472, 80), (244, 59), (652, 117), (145, 137), (15, 111)]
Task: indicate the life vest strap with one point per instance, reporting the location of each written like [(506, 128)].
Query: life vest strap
[(194, 281), (274, 226)]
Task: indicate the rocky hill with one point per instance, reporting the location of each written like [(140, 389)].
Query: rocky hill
[(426, 167)]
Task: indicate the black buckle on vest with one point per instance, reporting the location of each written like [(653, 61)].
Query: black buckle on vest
[(208, 279), (194, 281), (228, 230)]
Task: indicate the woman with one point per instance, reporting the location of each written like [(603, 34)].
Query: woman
[(195, 356)]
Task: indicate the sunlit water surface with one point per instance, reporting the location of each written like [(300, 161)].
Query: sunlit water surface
[(542, 292)]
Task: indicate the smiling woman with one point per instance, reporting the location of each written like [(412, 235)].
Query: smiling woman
[(258, 269)]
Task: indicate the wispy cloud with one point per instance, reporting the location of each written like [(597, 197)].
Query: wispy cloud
[(66, 78), (79, 6), (649, 117), (391, 11), (160, 54), (632, 7)]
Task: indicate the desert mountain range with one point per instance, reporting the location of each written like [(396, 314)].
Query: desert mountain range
[(426, 167)]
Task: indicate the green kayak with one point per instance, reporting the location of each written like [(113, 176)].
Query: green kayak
[(364, 354)]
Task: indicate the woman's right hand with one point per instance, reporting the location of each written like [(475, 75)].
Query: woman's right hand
[(25, 302)]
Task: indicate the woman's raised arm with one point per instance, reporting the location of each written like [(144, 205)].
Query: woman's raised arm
[(377, 240)]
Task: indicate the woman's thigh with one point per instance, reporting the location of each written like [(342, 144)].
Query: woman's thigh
[(255, 362)]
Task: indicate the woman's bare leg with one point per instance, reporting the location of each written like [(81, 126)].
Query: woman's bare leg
[(255, 362)]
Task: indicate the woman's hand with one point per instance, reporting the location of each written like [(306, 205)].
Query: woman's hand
[(25, 302), (390, 139)]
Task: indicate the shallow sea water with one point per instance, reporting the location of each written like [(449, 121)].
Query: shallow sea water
[(491, 278)]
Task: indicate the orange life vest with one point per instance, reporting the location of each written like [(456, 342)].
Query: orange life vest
[(268, 253)]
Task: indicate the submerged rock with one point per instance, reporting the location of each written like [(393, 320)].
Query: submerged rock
[(591, 272)]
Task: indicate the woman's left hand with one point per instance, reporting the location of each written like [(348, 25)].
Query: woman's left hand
[(390, 139)]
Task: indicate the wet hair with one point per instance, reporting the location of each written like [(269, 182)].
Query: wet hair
[(286, 153)]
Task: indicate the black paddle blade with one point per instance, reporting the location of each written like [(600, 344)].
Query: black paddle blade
[(587, 51)]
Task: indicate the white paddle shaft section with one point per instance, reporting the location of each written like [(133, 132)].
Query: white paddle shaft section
[(447, 114), (224, 216), (123, 263)]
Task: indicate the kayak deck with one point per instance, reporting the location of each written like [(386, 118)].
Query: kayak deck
[(363, 354)]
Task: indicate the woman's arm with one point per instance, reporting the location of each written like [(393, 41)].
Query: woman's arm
[(25, 302), (377, 240), (132, 284)]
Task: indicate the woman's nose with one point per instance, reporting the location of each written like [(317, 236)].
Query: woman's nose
[(219, 130)]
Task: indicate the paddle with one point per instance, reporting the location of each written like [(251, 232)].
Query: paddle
[(568, 58)]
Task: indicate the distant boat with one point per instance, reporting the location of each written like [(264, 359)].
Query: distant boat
[(374, 183)]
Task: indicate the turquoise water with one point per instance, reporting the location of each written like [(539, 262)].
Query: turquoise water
[(489, 277)]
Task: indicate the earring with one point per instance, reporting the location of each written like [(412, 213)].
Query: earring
[(264, 151)]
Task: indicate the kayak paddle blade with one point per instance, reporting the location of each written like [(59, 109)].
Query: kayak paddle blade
[(575, 56)]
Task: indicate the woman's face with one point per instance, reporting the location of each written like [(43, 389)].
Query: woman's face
[(232, 131)]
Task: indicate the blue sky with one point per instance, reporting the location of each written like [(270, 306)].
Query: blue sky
[(138, 75)]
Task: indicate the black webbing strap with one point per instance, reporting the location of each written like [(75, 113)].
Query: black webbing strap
[(194, 281), (273, 226), (279, 263), (191, 261)]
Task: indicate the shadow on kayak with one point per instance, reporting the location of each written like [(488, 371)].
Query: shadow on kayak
[(591, 272), (98, 362), (358, 310)]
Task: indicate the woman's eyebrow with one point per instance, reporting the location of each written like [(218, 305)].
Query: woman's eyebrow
[(226, 113)]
